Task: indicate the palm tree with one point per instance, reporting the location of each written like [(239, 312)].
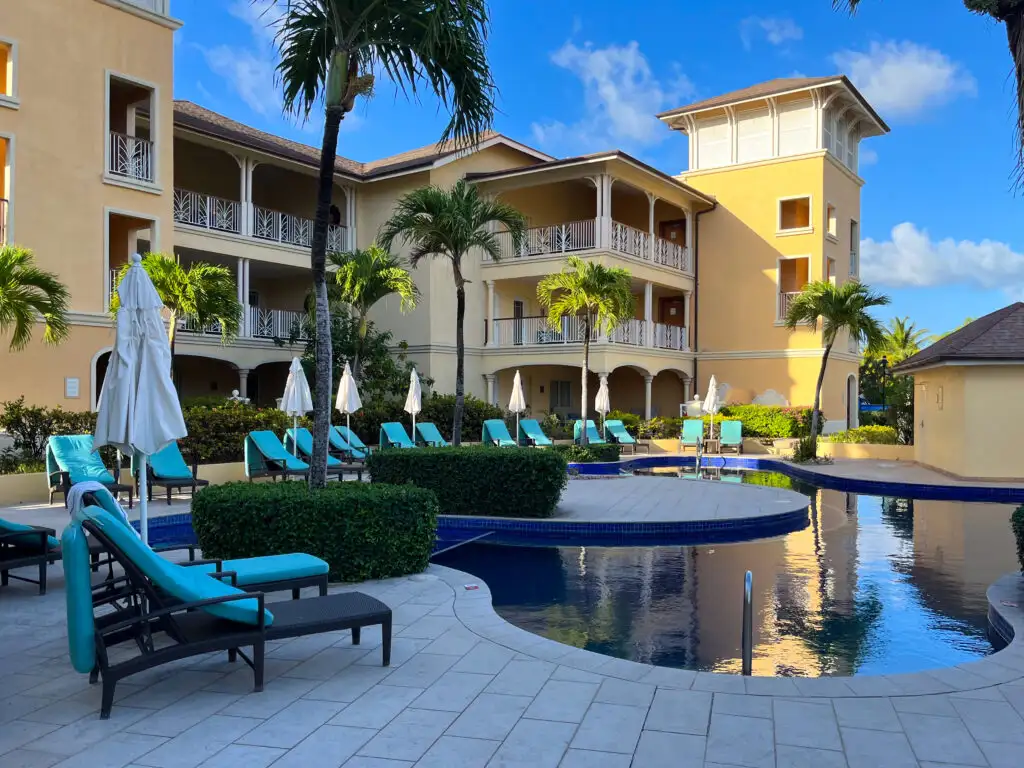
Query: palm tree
[(843, 307), (329, 50), (1010, 13), (204, 294), (902, 338), (27, 292), (364, 277), (601, 296), (449, 223)]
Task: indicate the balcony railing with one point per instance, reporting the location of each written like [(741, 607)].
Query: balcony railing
[(535, 331), (207, 211), (582, 235), (785, 299), (131, 157), (3, 220), (276, 323)]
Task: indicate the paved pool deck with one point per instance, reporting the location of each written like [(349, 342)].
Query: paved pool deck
[(468, 690)]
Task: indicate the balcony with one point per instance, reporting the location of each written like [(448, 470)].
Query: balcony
[(512, 332), (785, 300), (131, 157), (218, 214), (588, 235)]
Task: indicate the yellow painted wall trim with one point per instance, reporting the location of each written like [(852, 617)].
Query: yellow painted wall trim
[(138, 186), (142, 13), (866, 451), (90, 319), (753, 164), (776, 353)]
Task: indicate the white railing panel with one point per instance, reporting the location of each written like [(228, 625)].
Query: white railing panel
[(672, 255), (671, 337), (630, 241), (207, 211), (276, 323), (785, 299), (131, 157), (535, 331), (555, 239), (630, 332)]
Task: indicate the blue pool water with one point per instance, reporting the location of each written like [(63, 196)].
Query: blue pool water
[(873, 585)]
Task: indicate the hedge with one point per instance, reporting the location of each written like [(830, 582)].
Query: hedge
[(478, 480), (1017, 523), (363, 531), (877, 435), (592, 453), (769, 422)]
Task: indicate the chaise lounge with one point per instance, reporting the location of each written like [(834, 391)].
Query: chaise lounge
[(167, 468), (70, 459), (266, 456), (345, 448), (593, 437), (495, 432), (393, 435), (692, 434), (430, 435), (730, 435), (300, 443), (615, 432), (530, 433)]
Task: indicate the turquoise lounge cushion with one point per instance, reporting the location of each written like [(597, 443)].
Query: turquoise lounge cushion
[(74, 455), (6, 526), (618, 431), (430, 434), (529, 428), (393, 433), (731, 433), (272, 449), (339, 443), (185, 584), (259, 570), (351, 438), (169, 464), (693, 430), (496, 431), (303, 441), (78, 595)]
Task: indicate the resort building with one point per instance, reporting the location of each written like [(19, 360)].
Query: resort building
[(770, 201)]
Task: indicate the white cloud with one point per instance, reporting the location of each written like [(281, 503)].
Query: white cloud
[(776, 31), (263, 17), (621, 95), (911, 259), (905, 79), (250, 75), (867, 156)]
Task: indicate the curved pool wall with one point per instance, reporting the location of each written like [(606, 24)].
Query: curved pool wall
[(926, 492)]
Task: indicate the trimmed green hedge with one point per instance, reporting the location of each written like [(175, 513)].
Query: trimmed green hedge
[(769, 422), (875, 434), (1017, 523), (363, 531), (592, 453), (478, 480)]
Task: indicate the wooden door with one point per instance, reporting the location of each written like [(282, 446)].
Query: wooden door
[(673, 231), (670, 311)]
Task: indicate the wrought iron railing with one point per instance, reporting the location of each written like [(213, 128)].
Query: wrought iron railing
[(276, 323), (671, 337), (131, 157), (207, 211), (785, 299)]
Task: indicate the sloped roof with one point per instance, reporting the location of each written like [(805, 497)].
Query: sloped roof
[(193, 117), (996, 337)]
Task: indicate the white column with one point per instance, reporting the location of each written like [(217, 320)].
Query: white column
[(240, 288), (350, 217), (489, 314), (243, 382), (598, 209), (689, 237), (608, 218), (648, 381), (492, 396), (246, 321), (649, 314), (686, 389), (249, 218), (686, 317), (651, 199)]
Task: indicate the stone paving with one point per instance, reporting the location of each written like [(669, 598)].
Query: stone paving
[(468, 689)]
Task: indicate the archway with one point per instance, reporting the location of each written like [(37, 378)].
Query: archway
[(852, 402), (266, 383), (100, 361), (196, 377)]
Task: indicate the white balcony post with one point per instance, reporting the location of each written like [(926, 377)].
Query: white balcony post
[(489, 315), (651, 253), (608, 218), (491, 393), (686, 320), (649, 313), (239, 280), (648, 381), (245, 298), (687, 383), (350, 217), (688, 258), (243, 382)]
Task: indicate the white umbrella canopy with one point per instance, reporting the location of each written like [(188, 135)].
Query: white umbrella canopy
[(348, 401), (711, 403), (517, 404), (603, 402), (297, 399), (414, 400), (139, 413)]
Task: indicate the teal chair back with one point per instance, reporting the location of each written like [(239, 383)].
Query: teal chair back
[(496, 431), (731, 432), (340, 444), (73, 454), (78, 595), (617, 430), (393, 434), (693, 431), (264, 445), (593, 437), (351, 438), (300, 443), (530, 431), (431, 435), (168, 464)]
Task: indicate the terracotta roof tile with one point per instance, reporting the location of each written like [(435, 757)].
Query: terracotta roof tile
[(996, 336)]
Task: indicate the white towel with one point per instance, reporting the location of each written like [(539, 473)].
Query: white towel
[(76, 507)]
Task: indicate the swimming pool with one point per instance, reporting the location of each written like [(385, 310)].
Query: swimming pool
[(873, 585)]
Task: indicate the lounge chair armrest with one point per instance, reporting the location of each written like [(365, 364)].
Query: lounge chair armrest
[(177, 548), (181, 607), (42, 533), (229, 576), (212, 561)]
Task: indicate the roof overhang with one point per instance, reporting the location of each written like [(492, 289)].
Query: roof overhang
[(953, 362)]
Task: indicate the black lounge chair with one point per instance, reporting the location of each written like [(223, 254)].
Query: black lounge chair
[(198, 613), (24, 546)]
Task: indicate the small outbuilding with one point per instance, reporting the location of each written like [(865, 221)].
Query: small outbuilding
[(969, 398)]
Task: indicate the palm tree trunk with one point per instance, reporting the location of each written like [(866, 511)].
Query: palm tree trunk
[(460, 353), (1015, 37), (816, 413), (318, 263), (584, 441)]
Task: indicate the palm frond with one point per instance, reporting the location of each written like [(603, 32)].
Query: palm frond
[(27, 293), (364, 277), (589, 289), (838, 308)]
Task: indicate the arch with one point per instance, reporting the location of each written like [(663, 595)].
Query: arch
[(266, 382), (99, 361), (852, 402), (204, 376)]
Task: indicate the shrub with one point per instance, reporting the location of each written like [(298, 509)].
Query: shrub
[(660, 429), (630, 421), (577, 454), (216, 434), (31, 425), (440, 409), (478, 480), (1017, 523), (12, 464), (555, 428), (769, 421), (363, 531), (805, 451), (877, 435)]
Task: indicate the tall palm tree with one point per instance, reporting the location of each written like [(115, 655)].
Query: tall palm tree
[(1010, 13), (902, 338), (601, 296), (839, 308), (203, 294), (449, 223), (329, 50), (28, 292), (364, 277)]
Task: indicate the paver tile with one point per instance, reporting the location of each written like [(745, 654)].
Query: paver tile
[(199, 742), (522, 678), (806, 757), (409, 735), (877, 749), (292, 724), (875, 714), (451, 751), (660, 749), (610, 728), (746, 741), (680, 712), (585, 758), (490, 716), (453, 692), (990, 720), (615, 691), (377, 707), (562, 700), (806, 725), (941, 739), (533, 744)]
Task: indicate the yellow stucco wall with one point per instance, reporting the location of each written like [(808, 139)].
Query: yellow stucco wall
[(940, 429)]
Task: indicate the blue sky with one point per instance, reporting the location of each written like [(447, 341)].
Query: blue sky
[(944, 232)]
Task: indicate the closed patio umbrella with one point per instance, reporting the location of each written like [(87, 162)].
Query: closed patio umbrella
[(602, 402), (711, 404), (348, 401), (139, 413), (297, 400), (517, 404), (414, 400)]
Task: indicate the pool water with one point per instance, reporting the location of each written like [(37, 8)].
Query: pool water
[(872, 586)]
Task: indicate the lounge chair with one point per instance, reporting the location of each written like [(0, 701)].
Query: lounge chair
[(615, 432), (300, 443), (353, 440), (266, 456), (70, 459), (693, 433), (530, 433), (428, 434), (593, 437), (25, 546), (730, 435), (345, 448), (495, 432), (167, 468), (393, 435), (155, 599)]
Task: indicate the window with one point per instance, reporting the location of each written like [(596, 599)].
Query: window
[(754, 136), (831, 222), (793, 275), (713, 143), (561, 394), (854, 248), (830, 270), (795, 214), (8, 74), (796, 128)]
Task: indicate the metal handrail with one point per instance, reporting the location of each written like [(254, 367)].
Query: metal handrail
[(748, 624)]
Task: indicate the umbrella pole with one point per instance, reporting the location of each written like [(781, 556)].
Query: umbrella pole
[(348, 425), (143, 499), (517, 427)]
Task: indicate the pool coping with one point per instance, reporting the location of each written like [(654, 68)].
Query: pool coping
[(923, 491), (474, 608)]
